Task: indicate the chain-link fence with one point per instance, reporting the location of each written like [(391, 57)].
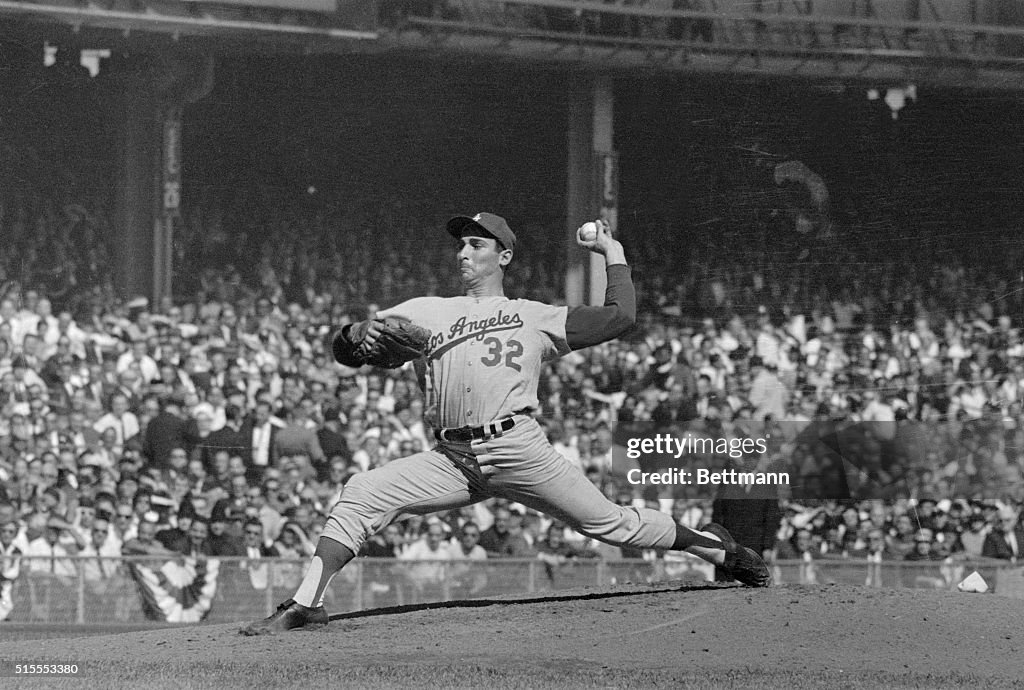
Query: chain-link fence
[(91, 590)]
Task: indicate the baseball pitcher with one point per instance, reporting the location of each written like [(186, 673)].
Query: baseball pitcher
[(482, 358)]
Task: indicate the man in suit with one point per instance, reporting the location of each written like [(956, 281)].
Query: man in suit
[(749, 512), (164, 433), (257, 550), (127, 383), (218, 372), (124, 422), (1006, 540), (64, 385), (231, 437), (332, 442), (138, 356), (93, 385), (50, 371), (298, 438), (674, 409), (260, 433)]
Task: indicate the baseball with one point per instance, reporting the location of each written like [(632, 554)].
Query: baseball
[(588, 232)]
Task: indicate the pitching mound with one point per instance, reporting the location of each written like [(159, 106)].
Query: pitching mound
[(675, 636)]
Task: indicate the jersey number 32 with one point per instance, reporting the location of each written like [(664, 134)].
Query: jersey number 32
[(498, 352)]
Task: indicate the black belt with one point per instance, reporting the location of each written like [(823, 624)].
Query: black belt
[(465, 434)]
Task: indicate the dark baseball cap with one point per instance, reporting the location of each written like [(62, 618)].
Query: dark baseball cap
[(494, 226)]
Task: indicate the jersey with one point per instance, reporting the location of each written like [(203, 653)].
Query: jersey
[(485, 354)]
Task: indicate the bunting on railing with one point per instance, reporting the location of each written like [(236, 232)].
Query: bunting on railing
[(176, 592)]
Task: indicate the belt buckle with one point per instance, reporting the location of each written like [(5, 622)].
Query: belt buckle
[(443, 435)]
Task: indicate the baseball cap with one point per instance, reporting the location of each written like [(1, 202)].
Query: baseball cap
[(493, 225)]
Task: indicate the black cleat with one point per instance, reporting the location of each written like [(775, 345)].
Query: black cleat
[(741, 564), (289, 616)]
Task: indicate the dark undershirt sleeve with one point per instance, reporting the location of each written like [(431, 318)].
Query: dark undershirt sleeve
[(586, 326)]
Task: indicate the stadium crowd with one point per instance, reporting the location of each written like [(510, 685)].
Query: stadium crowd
[(218, 424)]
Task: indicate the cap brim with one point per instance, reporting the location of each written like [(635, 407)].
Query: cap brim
[(458, 224)]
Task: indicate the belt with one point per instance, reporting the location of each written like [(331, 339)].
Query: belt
[(465, 434)]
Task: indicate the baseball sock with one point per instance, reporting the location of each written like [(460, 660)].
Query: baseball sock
[(703, 544), (330, 557)]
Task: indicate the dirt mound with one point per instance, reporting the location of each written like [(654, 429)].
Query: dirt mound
[(653, 631)]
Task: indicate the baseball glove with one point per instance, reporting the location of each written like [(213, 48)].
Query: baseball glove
[(399, 342)]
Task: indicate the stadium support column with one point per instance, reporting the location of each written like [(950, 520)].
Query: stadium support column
[(592, 182), (149, 96)]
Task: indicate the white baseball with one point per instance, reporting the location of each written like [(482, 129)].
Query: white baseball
[(588, 232)]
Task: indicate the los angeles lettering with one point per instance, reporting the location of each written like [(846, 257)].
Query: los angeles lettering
[(465, 329)]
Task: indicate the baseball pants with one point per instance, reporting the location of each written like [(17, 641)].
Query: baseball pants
[(520, 465)]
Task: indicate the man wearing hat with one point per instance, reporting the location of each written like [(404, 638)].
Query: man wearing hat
[(1006, 540), (972, 539), (221, 542), (480, 374)]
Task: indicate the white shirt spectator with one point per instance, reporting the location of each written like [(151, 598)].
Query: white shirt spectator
[(431, 571), (147, 365), (102, 563), (126, 426), (420, 550), (49, 559), (971, 400), (768, 396), (261, 444), (258, 568), (768, 348), (457, 553)]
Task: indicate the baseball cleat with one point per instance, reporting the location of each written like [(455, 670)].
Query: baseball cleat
[(289, 616), (741, 564)]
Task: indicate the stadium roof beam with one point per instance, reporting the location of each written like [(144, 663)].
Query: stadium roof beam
[(188, 18), (823, 40), (812, 45)]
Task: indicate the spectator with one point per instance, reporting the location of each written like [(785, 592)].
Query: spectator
[(120, 418), (137, 358), (220, 541), (10, 565), (500, 542), (386, 544), (146, 544), (383, 579), (751, 513), (427, 573), (330, 438), (101, 562), (923, 547), (198, 538), (164, 434), (257, 551), (52, 573), (767, 393), (297, 438), (260, 432), (294, 545), (901, 539), (465, 578), (1006, 540), (229, 437), (557, 554), (974, 538)]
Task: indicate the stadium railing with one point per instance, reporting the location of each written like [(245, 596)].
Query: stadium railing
[(134, 590)]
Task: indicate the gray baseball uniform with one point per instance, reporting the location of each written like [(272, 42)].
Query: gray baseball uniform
[(480, 378)]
